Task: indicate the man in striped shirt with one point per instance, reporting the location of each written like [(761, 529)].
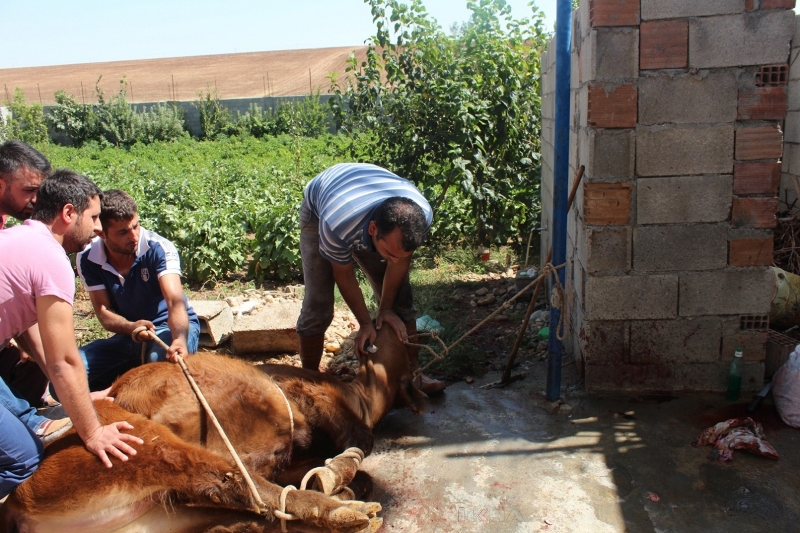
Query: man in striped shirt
[(360, 213)]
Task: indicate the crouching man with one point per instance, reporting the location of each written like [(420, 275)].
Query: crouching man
[(133, 279)]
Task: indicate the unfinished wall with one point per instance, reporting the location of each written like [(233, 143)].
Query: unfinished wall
[(790, 175), (678, 117)]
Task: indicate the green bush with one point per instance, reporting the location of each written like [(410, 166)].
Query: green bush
[(214, 118), (113, 121), (27, 122)]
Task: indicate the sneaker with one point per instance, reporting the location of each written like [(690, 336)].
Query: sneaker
[(53, 429)]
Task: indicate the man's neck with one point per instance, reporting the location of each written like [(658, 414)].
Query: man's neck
[(121, 262)]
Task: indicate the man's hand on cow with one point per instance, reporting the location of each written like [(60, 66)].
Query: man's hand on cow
[(143, 336), (101, 395), (109, 439), (366, 337), (391, 318), (177, 349)]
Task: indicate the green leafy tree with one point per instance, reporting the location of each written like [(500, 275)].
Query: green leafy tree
[(457, 114), (27, 120), (214, 118)]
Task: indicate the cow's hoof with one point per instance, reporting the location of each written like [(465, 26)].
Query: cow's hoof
[(347, 520)]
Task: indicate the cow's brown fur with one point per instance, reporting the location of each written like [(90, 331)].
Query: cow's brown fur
[(183, 461)]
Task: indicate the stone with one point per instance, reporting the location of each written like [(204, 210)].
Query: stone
[(216, 321), (736, 292), (670, 377), (271, 329), (665, 9), (611, 154), (632, 297), (675, 341), (703, 150), (760, 38), (680, 247), (605, 249), (614, 54), (702, 97), (683, 199)]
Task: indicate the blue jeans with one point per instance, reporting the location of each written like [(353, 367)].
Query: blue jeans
[(107, 359), (21, 451), (19, 408)]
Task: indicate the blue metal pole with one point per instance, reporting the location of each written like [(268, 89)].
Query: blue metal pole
[(555, 349)]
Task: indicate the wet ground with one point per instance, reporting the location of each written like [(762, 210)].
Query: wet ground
[(506, 460)]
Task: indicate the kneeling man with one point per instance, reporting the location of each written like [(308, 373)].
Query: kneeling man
[(133, 279)]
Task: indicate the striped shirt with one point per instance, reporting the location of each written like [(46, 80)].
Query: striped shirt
[(344, 198)]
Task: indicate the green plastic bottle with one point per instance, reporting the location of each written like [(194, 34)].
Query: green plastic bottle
[(735, 377)]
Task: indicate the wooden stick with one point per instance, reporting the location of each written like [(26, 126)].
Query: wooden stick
[(506, 377), (202, 398)]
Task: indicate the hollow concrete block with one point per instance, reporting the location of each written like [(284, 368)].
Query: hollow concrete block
[(270, 330), (216, 321)]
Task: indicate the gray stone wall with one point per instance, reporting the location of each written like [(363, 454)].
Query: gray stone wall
[(678, 112), (790, 169)]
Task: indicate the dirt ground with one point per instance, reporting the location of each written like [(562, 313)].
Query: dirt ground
[(256, 74)]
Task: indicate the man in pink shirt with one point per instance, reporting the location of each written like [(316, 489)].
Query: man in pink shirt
[(22, 169), (37, 285)]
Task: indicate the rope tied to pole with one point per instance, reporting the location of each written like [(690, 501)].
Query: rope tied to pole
[(546, 271)]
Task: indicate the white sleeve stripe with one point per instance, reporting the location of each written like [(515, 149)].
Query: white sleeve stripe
[(169, 271), (95, 287)]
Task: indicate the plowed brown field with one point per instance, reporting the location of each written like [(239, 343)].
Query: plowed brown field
[(255, 74)]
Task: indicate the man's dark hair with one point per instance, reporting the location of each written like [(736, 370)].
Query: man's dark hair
[(15, 154), (61, 188), (117, 205), (403, 213)]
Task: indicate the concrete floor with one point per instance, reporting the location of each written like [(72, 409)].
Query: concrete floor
[(502, 461)]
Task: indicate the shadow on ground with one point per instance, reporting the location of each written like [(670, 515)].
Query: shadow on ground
[(506, 460)]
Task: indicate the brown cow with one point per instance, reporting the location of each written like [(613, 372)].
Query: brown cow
[(184, 462)]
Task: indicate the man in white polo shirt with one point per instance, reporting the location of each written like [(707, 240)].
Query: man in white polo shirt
[(133, 277), (360, 213)]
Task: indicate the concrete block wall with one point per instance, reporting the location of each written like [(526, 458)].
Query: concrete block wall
[(678, 111), (790, 169)]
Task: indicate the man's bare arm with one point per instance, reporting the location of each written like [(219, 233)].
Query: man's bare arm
[(110, 320), (178, 318), (64, 367), (395, 273), (345, 277)]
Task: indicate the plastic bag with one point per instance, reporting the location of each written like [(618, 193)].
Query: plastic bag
[(427, 324), (786, 389)]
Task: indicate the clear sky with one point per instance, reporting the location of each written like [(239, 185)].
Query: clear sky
[(57, 32)]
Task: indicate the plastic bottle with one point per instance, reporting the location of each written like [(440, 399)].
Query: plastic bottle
[(735, 377)]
